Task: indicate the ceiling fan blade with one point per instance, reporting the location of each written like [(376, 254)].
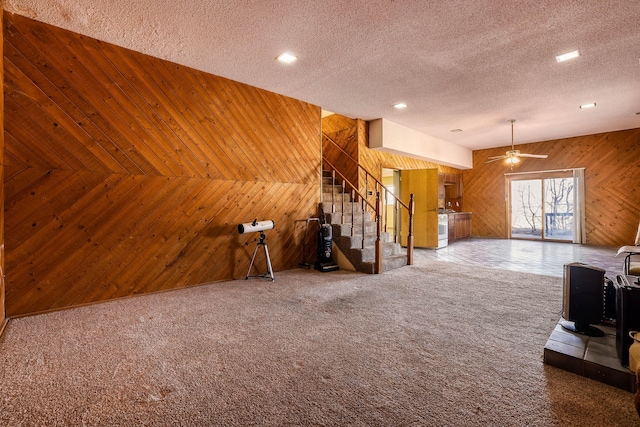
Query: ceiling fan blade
[(536, 156), (495, 159)]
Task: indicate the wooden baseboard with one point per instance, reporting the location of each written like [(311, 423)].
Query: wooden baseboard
[(87, 304)]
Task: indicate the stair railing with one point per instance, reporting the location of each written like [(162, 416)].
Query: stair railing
[(381, 194)]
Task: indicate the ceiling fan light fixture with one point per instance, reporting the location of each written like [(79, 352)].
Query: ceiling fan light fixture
[(512, 160)]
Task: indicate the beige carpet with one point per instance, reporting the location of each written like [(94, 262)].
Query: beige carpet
[(435, 344)]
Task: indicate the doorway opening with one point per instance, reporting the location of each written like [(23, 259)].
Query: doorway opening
[(390, 214)]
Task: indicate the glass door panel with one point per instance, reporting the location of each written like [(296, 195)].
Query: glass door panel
[(526, 209), (558, 208)]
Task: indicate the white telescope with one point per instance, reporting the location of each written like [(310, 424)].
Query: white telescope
[(260, 226), (256, 225)]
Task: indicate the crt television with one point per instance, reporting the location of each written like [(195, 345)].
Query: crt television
[(583, 298)]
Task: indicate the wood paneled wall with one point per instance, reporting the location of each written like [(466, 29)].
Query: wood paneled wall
[(343, 132), (334, 149), (2, 279), (128, 174), (612, 178)]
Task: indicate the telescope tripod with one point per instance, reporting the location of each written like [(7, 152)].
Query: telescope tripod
[(269, 272)]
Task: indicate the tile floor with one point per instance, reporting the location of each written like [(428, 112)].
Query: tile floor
[(528, 256), (592, 357)]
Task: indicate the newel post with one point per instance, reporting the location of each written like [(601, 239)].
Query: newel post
[(378, 266), (412, 207)]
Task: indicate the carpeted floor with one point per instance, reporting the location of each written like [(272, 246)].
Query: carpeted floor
[(434, 344)]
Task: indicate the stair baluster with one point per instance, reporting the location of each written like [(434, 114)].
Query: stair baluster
[(333, 180), (412, 208), (363, 222), (385, 213), (395, 226), (353, 203), (342, 193)]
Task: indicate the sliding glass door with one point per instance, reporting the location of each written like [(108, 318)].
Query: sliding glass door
[(542, 206)]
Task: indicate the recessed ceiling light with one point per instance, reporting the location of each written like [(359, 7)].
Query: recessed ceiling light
[(567, 56), (287, 58), (400, 105), (591, 105)]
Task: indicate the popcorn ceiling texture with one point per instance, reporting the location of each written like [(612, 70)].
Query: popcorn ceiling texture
[(143, 30), (458, 64)]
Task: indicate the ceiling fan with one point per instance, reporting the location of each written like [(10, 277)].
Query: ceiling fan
[(513, 156)]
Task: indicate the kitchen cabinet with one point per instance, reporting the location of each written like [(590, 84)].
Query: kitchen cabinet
[(453, 192), (462, 225), (459, 226), (452, 186)]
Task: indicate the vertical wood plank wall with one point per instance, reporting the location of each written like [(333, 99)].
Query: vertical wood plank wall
[(612, 179), (127, 174)]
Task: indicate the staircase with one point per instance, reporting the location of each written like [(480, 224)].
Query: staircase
[(349, 227)]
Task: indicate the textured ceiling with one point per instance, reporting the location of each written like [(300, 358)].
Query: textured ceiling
[(458, 64)]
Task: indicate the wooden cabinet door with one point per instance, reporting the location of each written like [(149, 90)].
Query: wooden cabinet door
[(468, 230), (463, 226), (423, 184), (441, 190), (452, 227)]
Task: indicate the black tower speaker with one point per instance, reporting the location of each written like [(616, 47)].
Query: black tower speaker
[(627, 314)]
